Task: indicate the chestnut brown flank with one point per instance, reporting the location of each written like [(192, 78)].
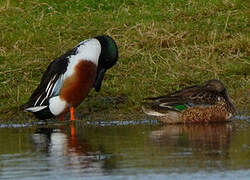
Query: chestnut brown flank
[(77, 87)]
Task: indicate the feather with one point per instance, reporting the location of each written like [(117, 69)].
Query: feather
[(51, 82), (35, 109)]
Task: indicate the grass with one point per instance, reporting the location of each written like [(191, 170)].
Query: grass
[(163, 46)]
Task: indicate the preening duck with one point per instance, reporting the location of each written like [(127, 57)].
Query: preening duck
[(195, 104), (69, 78)]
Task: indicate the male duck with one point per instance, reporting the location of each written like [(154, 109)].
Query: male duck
[(194, 104), (70, 77)]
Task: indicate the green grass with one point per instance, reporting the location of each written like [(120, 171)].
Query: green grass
[(163, 46)]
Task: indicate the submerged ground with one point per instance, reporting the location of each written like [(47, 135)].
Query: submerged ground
[(163, 46)]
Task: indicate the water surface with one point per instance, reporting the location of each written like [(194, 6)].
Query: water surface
[(125, 150)]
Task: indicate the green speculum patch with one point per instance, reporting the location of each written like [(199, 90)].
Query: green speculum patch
[(181, 107)]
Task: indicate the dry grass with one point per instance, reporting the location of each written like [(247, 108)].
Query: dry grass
[(163, 46)]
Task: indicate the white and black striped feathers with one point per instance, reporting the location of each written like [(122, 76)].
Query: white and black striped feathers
[(101, 51)]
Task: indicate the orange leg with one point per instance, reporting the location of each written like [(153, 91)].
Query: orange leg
[(72, 115), (61, 117), (72, 131)]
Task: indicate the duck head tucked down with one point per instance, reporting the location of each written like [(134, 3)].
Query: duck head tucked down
[(195, 104), (69, 78)]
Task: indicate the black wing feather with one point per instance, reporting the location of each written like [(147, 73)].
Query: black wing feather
[(55, 69)]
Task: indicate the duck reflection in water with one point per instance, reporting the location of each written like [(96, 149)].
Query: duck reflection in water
[(65, 149), (210, 139)]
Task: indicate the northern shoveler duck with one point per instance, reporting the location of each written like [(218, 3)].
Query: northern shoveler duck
[(70, 77), (195, 104)]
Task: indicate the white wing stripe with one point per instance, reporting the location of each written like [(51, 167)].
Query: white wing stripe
[(52, 91), (48, 86), (47, 94), (164, 105), (51, 87), (35, 109), (38, 99), (42, 101), (49, 90)]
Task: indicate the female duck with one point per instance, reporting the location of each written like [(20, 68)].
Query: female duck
[(194, 104)]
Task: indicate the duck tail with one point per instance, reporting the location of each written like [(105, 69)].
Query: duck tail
[(40, 112), (35, 109), (24, 106)]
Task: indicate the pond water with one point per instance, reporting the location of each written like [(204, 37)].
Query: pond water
[(125, 150)]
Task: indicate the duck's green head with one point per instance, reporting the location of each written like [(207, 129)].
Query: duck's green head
[(107, 59)]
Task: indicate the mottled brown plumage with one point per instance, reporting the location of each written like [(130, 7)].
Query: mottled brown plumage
[(195, 104)]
